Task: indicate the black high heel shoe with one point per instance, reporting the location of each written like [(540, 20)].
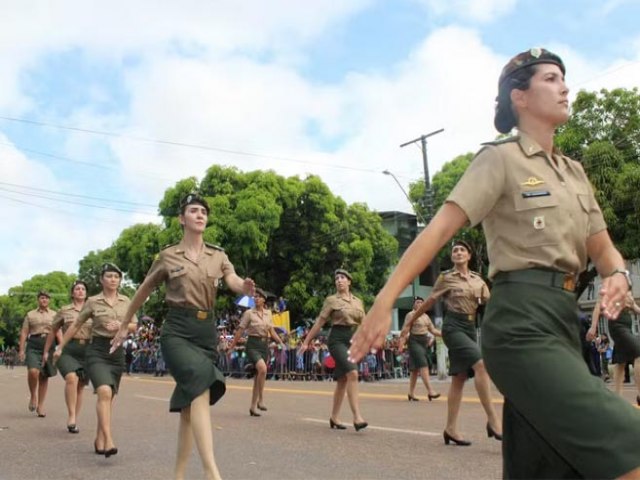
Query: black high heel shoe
[(434, 396), (98, 451), (254, 414), (638, 400), (111, 451), (411, 398), (73, 428), (360, 426), (492, 433), (457, 441), (262, 407), (338, 426)]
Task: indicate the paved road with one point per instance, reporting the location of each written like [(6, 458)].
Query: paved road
[(291, 440)]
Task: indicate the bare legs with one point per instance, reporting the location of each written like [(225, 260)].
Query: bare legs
[(73, 388), (258, 384), (32, 381), (618, 377), (195, 423), (483, 387), (347, 384), (104, 407), (413, 379), (43, 384)]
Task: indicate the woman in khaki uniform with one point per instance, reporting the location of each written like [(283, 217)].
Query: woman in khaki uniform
[(37, 325), (106, 311), (463, 292), (541, 222), (626, 345), (191, 272), (71, 363), (345, 312), (417, 328), (258, 323)]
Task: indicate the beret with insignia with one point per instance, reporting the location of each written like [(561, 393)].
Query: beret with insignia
[(192, 198)]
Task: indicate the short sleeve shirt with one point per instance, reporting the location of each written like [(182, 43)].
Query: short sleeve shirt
[(536, 211), (101, 312), (464, 293), (190, 284), (38, 321), (66, 317), (421, 325), (346, 310), (257, 324)]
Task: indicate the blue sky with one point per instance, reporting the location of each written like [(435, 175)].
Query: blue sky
[(318, 84)]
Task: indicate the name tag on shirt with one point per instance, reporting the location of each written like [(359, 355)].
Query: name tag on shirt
[(536, 193)]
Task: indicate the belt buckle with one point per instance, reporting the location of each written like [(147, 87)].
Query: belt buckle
[(202, 315), (470, 317), (82, 341), (569, 282)]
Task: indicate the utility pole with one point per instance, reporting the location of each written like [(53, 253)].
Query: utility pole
[(431, 277)]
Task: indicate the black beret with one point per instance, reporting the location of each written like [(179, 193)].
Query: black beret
[(43, 293), (261, 292), (532, 56), (463, 243), (342, 271), (192, 198), (110, 267)]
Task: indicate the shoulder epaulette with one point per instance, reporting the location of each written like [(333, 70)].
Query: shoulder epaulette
[(448, 271), (169, 245), (475, 273), (500, 141), (211, 245)]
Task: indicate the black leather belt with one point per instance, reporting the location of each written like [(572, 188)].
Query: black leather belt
[(546, 278)]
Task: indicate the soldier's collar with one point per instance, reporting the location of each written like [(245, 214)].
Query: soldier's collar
[(345, 296), (530, 147)]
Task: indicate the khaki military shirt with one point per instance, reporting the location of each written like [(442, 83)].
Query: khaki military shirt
[(345, 310), (38, 321), (535, 212), (66, 316), (421, 325), (257, 324), (190, 284), (101, 312), (464, 293)]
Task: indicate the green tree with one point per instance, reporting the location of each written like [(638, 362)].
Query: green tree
[(288, 234), (90, 267), (21, 299)]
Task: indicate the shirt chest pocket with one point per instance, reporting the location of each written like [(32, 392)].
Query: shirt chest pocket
[(538, 219), (214, 275)]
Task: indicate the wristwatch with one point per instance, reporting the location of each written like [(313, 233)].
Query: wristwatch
[(626, 274)]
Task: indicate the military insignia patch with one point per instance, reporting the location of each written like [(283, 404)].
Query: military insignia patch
[(532, 182)]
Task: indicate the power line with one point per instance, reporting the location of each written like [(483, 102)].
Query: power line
[(75, 195), (181, 144)]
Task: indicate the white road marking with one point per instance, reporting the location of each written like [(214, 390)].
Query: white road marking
[(146, 397), (384, 429)]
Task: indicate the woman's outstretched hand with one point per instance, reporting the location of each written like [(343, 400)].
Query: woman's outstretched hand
[(372, 333)]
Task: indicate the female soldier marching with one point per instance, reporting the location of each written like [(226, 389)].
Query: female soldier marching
[(71, 364), (541, 222), (191, 272)]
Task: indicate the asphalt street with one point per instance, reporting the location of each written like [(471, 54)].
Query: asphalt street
[(291, 440)]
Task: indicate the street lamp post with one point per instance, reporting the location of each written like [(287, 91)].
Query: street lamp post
[(416, 211)]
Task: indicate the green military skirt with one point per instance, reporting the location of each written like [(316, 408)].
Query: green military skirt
[(102, 367), (460, 336), (418, 351), (339, 342), (189, 348), (626, 347), (33, 356), (72, 359), (559, 421), (257, 348)]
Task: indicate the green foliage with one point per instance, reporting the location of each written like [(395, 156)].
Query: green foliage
[(91, 267), (21, 299)]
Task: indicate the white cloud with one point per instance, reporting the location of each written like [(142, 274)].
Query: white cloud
[(474, 10)]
